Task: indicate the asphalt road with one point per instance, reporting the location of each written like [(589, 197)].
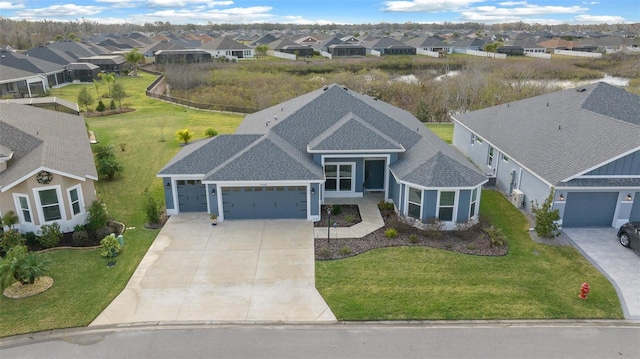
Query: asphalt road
[(346, 340)]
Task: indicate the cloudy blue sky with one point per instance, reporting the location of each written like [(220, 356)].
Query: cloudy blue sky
[(325, 11)]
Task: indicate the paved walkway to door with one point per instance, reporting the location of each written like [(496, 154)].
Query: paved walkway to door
[(369, 213), (249, 270)]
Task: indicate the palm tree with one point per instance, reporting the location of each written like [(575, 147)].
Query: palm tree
[(134, 57), (108, 77), (261, 50)]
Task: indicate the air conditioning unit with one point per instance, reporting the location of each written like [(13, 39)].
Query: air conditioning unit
[(517, 198)]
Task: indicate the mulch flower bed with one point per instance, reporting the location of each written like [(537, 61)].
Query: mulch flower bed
[(348, 216), (471, 241)]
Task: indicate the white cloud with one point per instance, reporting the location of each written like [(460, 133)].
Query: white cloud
[(600, 19), (512, 3), (174, 3), (6, 5), (234, 15), (299, 20), (115, 4), (65, 10), (426, 5), (591, 2)]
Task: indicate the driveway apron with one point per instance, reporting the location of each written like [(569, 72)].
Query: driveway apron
[(601, 247), (250, 270)]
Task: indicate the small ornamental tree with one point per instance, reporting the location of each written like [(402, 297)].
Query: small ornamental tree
[(546, 216), (85, 99), (184, 135), (21, 265), (118, 93), (101, 107)]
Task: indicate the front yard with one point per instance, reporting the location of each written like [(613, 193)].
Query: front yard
[(533, 281)]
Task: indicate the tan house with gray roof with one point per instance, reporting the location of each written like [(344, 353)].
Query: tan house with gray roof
[(47, 171)]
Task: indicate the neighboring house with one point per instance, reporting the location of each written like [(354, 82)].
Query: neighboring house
[(583, 142), (347, 50), (47, 171), (52, 55), (468, 44), (77, 49), (284, 161), (290, 47), (106, 63), (429, 44), (182, 56), (26, 76), (150, 51), (227, 47), (389, 46), (82, 71)]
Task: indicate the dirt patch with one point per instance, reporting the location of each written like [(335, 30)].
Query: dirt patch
[(473, 241), (348, 215)]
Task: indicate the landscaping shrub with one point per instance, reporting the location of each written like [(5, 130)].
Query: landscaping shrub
[(349, 218), (496, 236), (324, 253), (50, 235), (109, 246), (10, 239), (336, 209), (112, 105), (101, 107), (345, 251), (391, 233), (151, 207), (80, 237), (435, 228), (31, 240), (104, 231), (9, 219), (210, 132), (413, 238), (385, 206), (21, 265), (546, 217), (184, 135), (98, 216)]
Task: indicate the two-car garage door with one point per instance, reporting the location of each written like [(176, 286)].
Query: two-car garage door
[(264, 202), (590, 209)]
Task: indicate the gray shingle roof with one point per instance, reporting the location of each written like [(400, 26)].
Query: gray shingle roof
[(562, 134), (201, 157), (352, 133), (44, 138), (224, 43), (329, 119)]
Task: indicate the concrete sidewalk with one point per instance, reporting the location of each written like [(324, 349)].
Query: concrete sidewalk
[(252, 270), (369, 212)]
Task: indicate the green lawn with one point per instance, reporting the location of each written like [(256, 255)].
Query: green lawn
[(84, 286), (532, 281), (443, 130)]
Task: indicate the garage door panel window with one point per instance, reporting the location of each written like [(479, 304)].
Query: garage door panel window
[(445, 209)]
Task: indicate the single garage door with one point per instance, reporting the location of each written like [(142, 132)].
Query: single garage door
[(589, 209), (192, 196), (264, 202)]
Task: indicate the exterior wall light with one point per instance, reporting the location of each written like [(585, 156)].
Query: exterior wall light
[(313, 191), (629, 197), (561, 197), (213, 191), (168, 185)]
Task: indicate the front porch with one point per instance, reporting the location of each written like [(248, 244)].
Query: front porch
[(369, 212)]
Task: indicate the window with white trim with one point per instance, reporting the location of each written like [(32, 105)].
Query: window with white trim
[(505, 158), (473, 138), (24, 210), (446, 205), (474, 201), (76, 202), (415, 202), (50, 205), (490, 157), (339, 177)]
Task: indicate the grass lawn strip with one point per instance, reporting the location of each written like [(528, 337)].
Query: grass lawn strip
[(533, 281), (84, 285)]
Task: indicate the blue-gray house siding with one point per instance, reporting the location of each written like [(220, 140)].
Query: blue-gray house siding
[(627, 165), (168, 193), (464, 202), (429, 201)]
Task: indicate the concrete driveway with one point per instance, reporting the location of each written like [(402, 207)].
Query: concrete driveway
[(251, 270), (621, 265)]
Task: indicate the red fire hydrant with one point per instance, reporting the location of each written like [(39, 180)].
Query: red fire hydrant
[(584, 290)]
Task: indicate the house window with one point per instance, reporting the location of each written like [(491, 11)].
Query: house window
[(473, 138), (50, 205), (339, 177), (415, 202), (505, 158), (24, 211), (479, 139), (445, 209), (75, 200), (490, 159), (474, 201)]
